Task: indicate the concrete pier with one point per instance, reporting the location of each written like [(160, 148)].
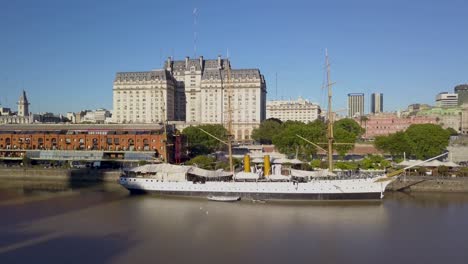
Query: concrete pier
[(59, 174), (429, 184)]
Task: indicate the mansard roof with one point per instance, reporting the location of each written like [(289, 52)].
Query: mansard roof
[(179, 65), (210, 71), (143, 76), (235, 74)]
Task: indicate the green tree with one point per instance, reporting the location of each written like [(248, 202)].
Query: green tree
[(225, 164), (346, 130), (452, 131), (421, 171), (287, 142), (421, 141), (375, 162), (202, 161), (395, 144), (316, 163), (199, 143), (442, 170), (267, 130), (427, 140), (346, 165)]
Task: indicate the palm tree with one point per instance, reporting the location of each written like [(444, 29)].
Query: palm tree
[(364, 119)]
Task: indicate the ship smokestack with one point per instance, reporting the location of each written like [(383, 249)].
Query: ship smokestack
[(246, 163), (266, 164)]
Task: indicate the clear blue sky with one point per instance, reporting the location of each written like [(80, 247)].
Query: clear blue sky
[(66, 53)]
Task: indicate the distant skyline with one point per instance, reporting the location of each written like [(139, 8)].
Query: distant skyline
[(65, 54)]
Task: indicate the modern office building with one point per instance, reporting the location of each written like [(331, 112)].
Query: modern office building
[(462, 92), (376, 103), (446, 99), (294, 110), (355, 104), (196, 91)]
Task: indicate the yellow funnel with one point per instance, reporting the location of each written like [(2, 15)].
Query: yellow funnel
[(246, 163), (266, 164)]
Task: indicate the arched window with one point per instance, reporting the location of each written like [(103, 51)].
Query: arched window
[(239, 134)]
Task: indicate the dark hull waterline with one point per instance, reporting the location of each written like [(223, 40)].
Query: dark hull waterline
[(268, 196)]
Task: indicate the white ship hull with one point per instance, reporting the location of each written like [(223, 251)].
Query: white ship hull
[(345, 189)]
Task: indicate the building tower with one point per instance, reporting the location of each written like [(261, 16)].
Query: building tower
[(355, 104), (376, 103), (462, 92), (445, 99), (23, 105)]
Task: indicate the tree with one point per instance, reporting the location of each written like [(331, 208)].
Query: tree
[(427, 140), (395, 144), (346, 131), (364, 119), (199, 143), (202, 161), (421, 171), (375, 162), (287, 142), (268, 128), (421, 141), (442, 170), (452, 131)]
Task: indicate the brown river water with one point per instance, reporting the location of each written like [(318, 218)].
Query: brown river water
[(104, 224)]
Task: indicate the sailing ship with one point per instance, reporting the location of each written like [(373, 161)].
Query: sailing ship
[(167, 179)]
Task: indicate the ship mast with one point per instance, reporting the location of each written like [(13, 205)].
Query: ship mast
[(229, 121), (330, 116)]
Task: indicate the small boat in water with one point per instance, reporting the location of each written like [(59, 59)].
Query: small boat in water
[(223, 198)]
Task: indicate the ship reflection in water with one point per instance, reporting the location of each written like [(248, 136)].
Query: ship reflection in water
[(103, 224)]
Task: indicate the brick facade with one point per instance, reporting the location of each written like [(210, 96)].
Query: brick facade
[(121, 140)]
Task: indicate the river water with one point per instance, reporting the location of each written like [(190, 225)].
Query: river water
[(103, 224)]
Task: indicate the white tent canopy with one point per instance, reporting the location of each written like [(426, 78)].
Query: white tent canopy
[(163, 167), (284, 160), (276, 177), (257, 160), (451, 164), (208, 173), (165, 170), (433, 163), (246, 176), (407, 163), (317, 173)]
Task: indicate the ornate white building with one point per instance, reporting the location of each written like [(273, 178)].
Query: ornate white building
[(192, 90), (294, 110)]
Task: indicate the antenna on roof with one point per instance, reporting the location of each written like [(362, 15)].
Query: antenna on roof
[(276, 80), (160, 57), (195, 16)]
